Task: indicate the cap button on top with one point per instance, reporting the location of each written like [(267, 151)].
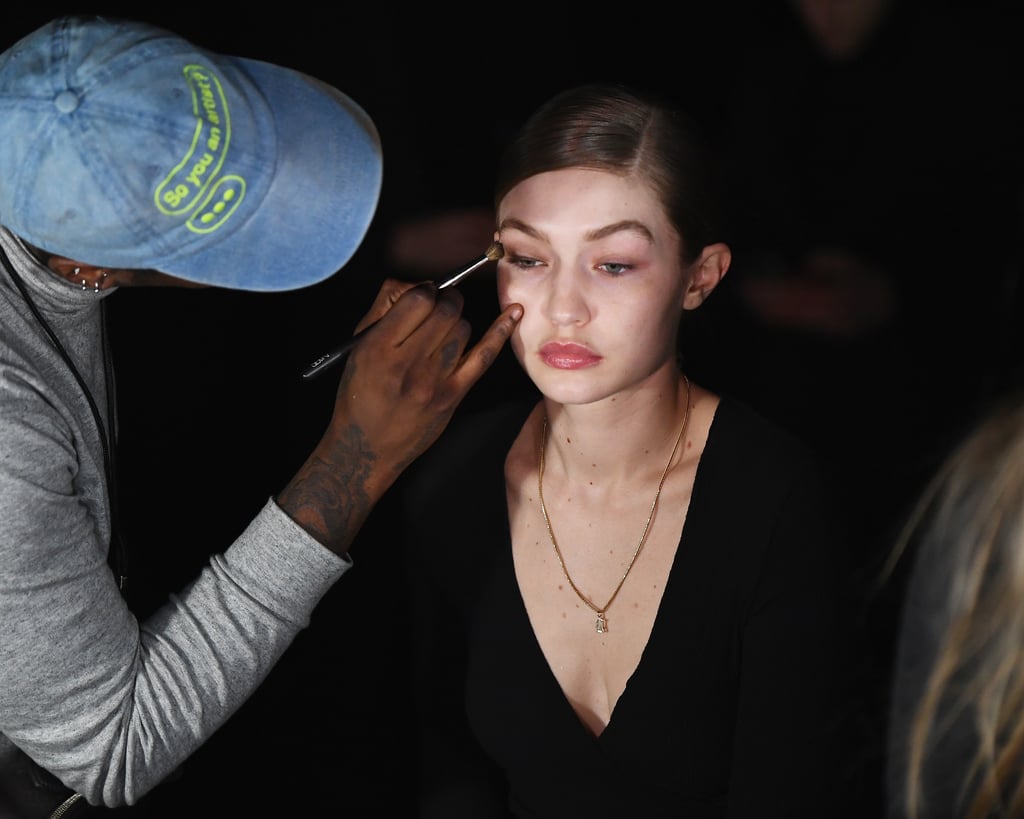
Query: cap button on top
[(66, 101)]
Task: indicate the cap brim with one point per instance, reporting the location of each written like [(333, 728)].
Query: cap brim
[(301, 233)]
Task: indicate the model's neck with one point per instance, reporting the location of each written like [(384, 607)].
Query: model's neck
[(616, 436)]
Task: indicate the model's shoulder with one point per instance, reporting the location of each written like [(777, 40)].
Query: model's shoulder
[(471, 441), (495, 425), (742, 430)]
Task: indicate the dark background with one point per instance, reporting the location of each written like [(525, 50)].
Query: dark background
[(909, 154)]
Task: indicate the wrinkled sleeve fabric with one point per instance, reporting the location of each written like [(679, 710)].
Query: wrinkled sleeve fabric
[(106, 703)]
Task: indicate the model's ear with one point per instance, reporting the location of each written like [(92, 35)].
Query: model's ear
[(706, 273)]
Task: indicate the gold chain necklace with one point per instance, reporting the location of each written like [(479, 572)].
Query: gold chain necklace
[(601, 611)]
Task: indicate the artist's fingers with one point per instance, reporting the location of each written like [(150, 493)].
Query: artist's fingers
[(419, 326), (390, 293), (440, 330), (483, 354), (447, 351)]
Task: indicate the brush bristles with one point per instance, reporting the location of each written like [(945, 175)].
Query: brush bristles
[(495, 252)]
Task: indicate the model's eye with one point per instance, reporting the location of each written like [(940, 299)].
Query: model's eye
[(524, 262), (616, 268)]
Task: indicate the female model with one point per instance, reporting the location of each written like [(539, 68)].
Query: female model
[(624, 590)]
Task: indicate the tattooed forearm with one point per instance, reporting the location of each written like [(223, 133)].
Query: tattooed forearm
[(328, 495)]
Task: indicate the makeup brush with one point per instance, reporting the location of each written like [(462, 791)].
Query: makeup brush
[(493, 253)]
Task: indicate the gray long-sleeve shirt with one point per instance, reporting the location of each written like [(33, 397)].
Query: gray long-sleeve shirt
[(109, 704)]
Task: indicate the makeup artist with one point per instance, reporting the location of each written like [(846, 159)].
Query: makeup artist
[(130, 158)]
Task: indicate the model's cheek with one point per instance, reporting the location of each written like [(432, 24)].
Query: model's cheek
[(516, 342), (504, 296), (661, 342), (529, 333), (505, 282), (512, 292)]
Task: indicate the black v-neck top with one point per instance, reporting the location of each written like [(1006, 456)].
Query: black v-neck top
[(732, 710)]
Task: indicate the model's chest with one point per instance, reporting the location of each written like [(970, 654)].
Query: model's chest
[(542, 683)]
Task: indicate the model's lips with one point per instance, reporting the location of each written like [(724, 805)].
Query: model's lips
[(567, 356)]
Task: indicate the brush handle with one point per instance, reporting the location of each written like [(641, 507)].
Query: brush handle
[(455, 278), (325, 361)]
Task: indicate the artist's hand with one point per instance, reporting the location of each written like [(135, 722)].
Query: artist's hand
[(400, 388)]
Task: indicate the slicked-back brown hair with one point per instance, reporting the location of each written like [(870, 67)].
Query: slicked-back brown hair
[(611, 127)]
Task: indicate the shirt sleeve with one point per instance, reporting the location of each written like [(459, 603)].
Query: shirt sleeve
[(108, 704)]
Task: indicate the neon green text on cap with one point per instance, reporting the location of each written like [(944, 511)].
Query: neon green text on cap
[(195, 185)]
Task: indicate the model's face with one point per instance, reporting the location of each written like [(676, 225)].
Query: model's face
[(596, 265)]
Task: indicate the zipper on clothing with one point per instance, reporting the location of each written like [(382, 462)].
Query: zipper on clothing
[(64, 806)]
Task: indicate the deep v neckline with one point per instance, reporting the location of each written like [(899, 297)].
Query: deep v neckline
[(635, 679), (648, 656)]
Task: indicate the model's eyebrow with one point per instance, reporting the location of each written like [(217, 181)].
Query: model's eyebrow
[(629, 225), (626, 225), (512, 223)]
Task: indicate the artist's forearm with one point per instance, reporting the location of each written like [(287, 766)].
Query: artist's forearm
[(334, 492)]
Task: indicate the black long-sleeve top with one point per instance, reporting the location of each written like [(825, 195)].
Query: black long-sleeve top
[(735, 707)]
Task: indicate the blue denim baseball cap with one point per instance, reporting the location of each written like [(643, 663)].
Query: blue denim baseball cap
[(123, 145)]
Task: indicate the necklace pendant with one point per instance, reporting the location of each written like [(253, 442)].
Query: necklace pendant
[(602, 623)]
